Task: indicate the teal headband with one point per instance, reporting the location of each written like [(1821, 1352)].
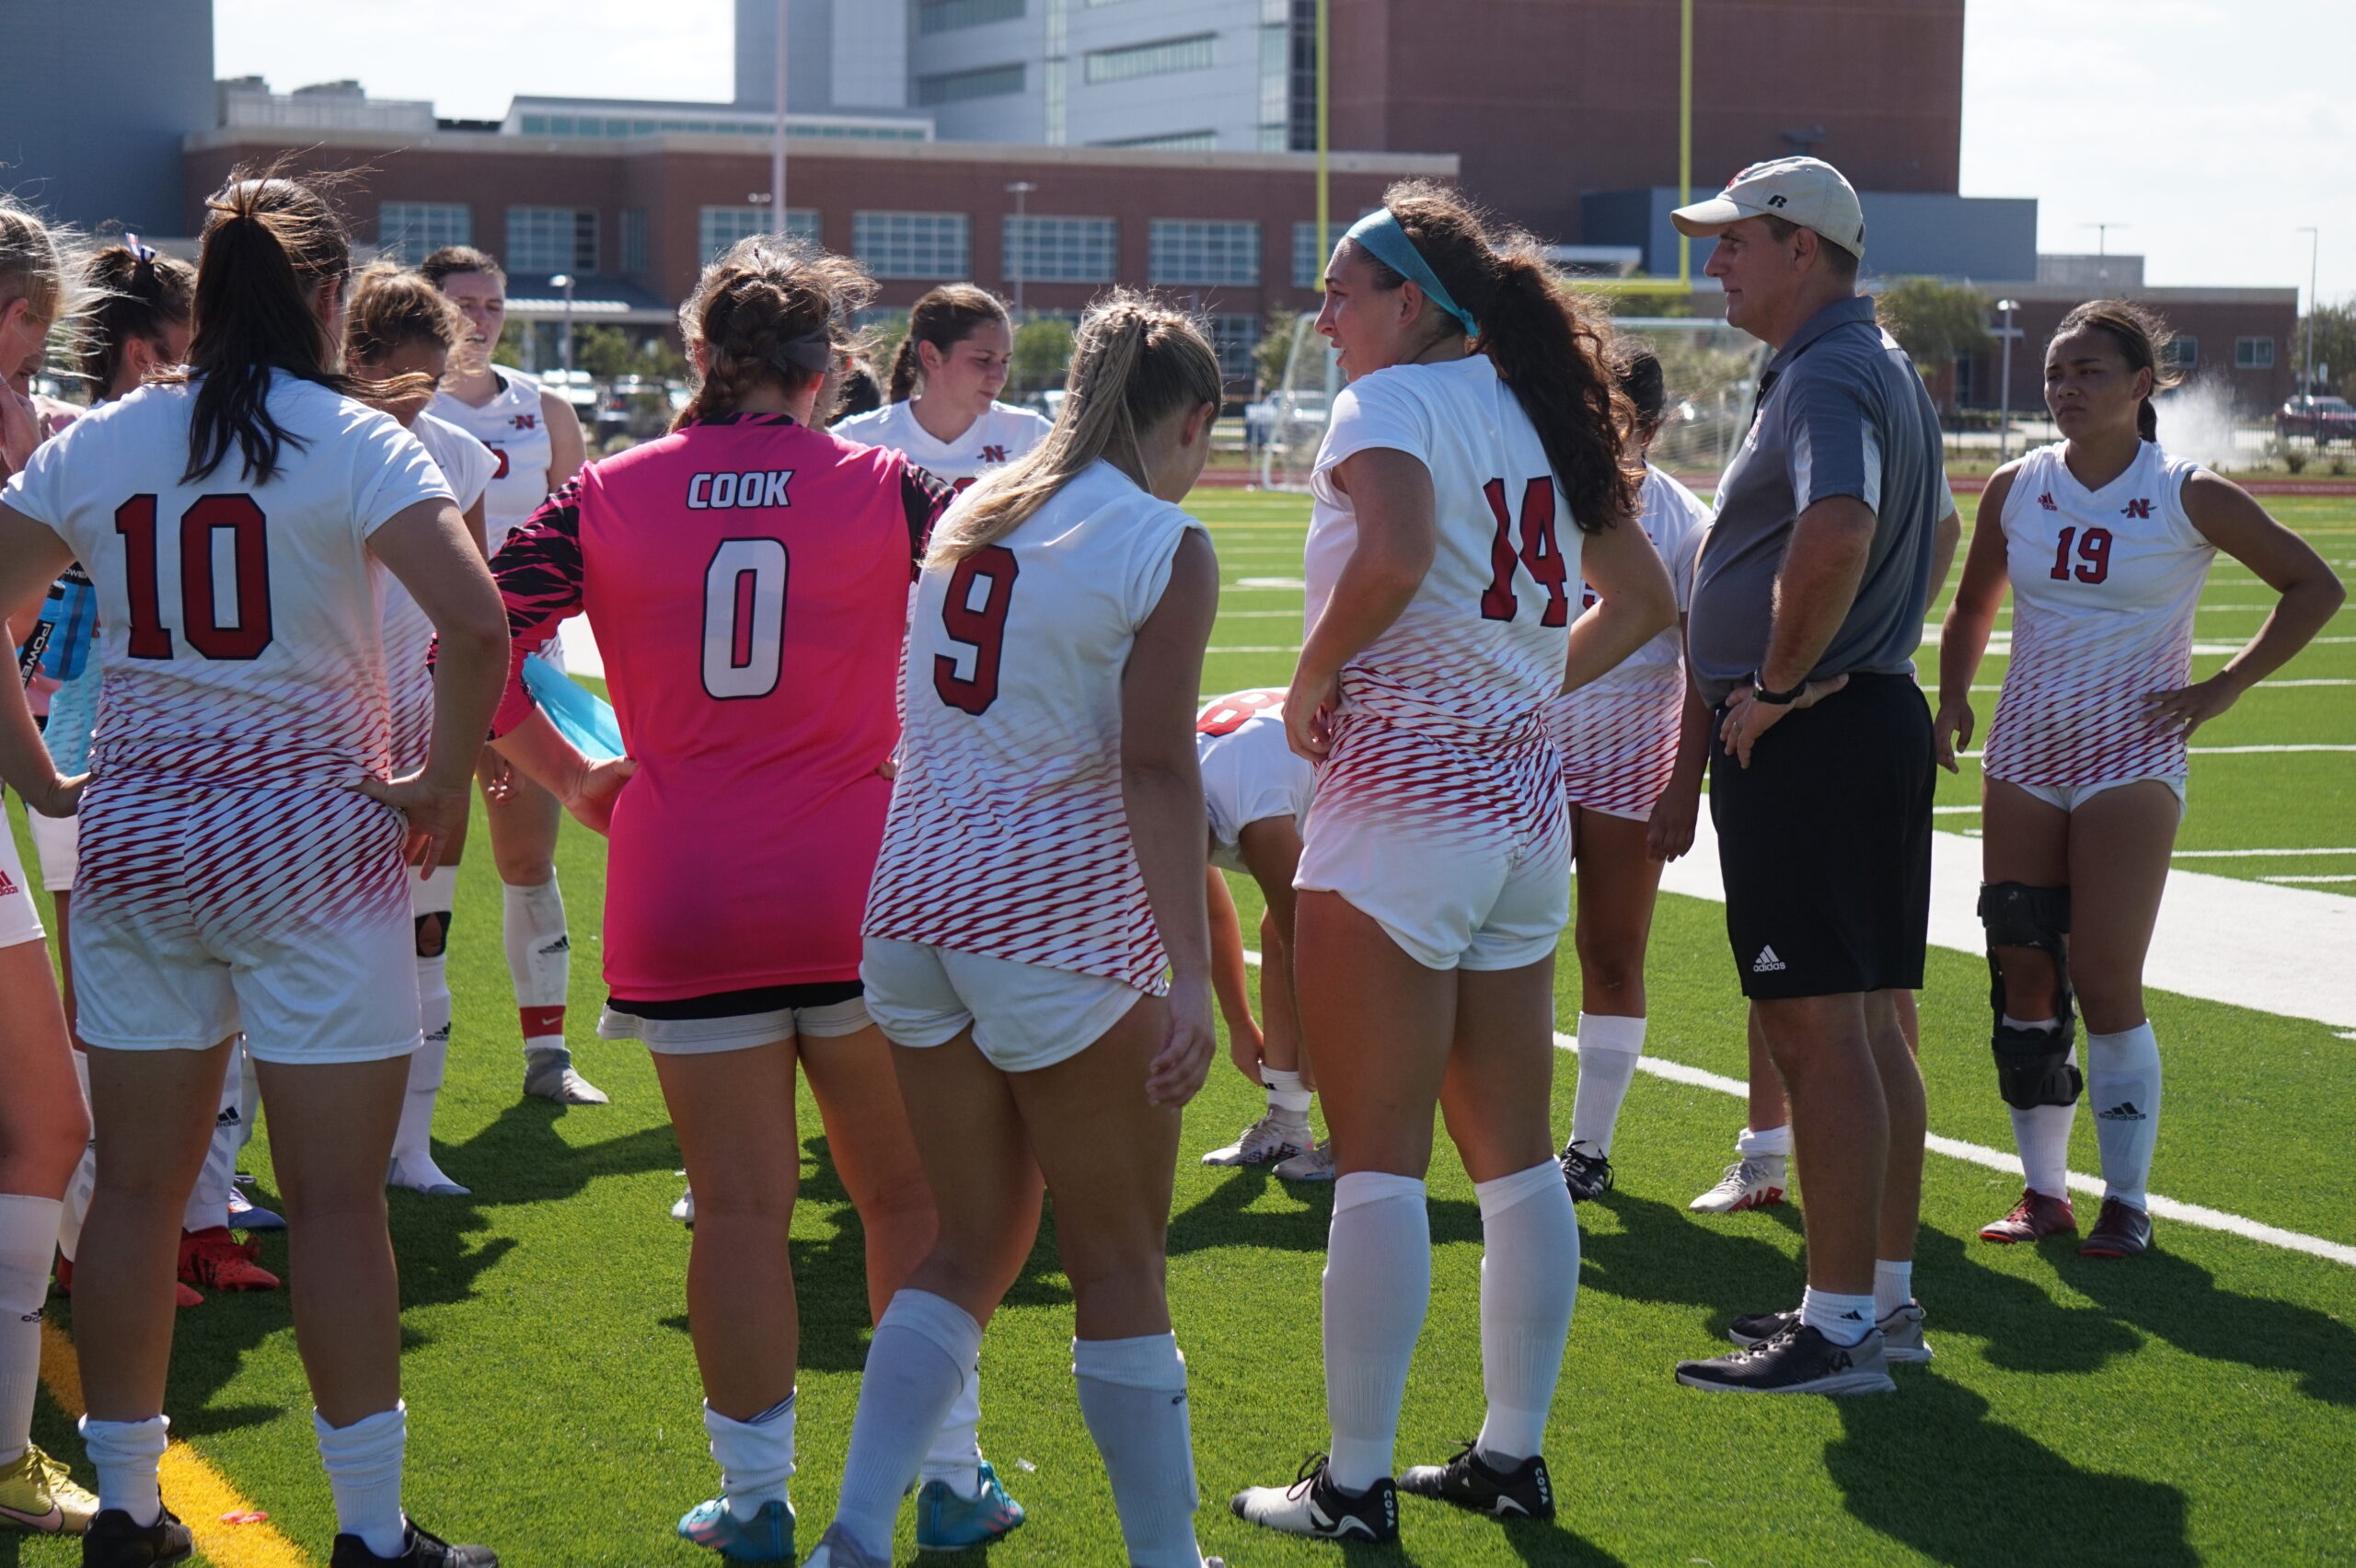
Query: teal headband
[(1379, 233)]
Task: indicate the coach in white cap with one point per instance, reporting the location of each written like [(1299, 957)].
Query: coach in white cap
[(1807, 609)]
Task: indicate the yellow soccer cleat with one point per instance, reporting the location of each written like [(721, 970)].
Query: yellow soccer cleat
[(36, 1493)]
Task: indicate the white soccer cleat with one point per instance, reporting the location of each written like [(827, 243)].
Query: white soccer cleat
[(548, 1073), (1265, 1142), (1315, 1165), (684, 1211), (1753, 1182), (418, 1173)]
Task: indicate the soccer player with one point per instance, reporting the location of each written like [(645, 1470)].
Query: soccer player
[(241, 847), (1633, 744), (399, 325), (1042, 864), (747, 577), (1256, 792), (535, 438), (941, 409), (43, 1122), (1472, 469), (2105, 541)]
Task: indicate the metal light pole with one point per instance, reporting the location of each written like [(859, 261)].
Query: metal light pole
[(1018, 190), (564, 281), (2102, 251), (1685, 138), (777, 134), (1324, 139), (2005, 382), (2307, 356)]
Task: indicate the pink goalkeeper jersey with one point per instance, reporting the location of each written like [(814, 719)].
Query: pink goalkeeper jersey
[(748, 581)]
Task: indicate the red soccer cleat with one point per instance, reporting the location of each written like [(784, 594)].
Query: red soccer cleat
[(2033, 1218), (213, 1258), (182, 1296)]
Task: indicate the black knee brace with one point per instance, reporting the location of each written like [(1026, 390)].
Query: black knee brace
[(432, 933), (2032, 1065)]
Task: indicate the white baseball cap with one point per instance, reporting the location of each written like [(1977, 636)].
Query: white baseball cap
[(1807, 192)]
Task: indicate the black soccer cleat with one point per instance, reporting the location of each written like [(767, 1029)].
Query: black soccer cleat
[(1469, 1481), (1587, 1175), (1799, 1360), (419, 1548), (1313, 1507), (113, 1541)]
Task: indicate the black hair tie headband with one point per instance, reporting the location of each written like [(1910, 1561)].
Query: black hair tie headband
[(814, 354)]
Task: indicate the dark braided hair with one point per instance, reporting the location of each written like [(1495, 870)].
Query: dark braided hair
[(771, 310), (134, 292)]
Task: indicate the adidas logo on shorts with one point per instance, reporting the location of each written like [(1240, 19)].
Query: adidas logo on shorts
[(2123, 1112), (1766, 962), (228, 1117)]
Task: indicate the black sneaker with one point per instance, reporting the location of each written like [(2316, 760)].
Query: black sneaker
[(1797, 1361), (1471, 1482), (113, 1541), (1902, 1344), (1587, 1175), (419, 1548), (1313, 1505)]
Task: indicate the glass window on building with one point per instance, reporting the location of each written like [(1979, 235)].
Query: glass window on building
[(957, 87), (718, 228), (551, 239), (2184, 351), (1309, 257), (1234, 335), (1060, 250), (634, 257), (410, 231), (946, 15), (1162, 58), (2253, 354), (1203, 251), (913, 244)]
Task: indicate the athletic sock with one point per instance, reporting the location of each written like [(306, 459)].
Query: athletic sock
[(955, 1458), (208, 1200), (126, 1454), (2043, 1134), (1378, 1286), (363, 1465), (1609, 1048), (1133, 1395), (539, 959), (86, 1175), (2123, 1076), (1893, 1285), (1774, 1140), (1844, 1319), (916, 1365), (1530, 1282), (1285, 1094), (755, 1457), (28, 1242)]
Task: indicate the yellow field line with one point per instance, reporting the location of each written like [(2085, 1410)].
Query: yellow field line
[(197, 1492)]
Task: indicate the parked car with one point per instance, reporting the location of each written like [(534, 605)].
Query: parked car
[(2322, 418)]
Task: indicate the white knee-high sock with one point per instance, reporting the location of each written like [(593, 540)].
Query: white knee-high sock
[(2041, 1133), (955, 1458), (917, 1361), (208, 1201), (1378, 1286), (1133, 1395), (2123, 1077), (1609, 1048), (363, 1465), (755, 1457), (126, 1454), (539, 959), (27, 1240), (1286, 1097), (431, 902), (1530, 1282), (86, 1175), (1774, 1141)]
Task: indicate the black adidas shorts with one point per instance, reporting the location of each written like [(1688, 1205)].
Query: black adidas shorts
[(1824, 842)]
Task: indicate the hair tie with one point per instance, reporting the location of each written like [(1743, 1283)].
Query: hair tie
[(815, 353), (1379, 234), (141, 255)]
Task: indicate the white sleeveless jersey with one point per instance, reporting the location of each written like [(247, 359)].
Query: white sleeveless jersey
[(467, 466), (1482, 643), (1618, 734), (513, 425), (1008, 835), (998, 438), (1250, 771), (2104, 586)]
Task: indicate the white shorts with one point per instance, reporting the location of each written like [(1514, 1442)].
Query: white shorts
[(19, 916), (733, 1030), (57, 842), (2070, 797), (1023, 1016)]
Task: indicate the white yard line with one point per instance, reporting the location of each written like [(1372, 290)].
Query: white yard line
[(2251, 854), (1258, 648), (2238, 751), (2350, 878)]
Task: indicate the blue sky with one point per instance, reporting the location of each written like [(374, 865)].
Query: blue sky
[(2194, 123)]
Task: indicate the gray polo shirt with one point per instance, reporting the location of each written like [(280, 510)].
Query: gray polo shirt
[(1845, 414)]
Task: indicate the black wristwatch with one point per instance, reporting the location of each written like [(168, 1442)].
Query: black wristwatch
[(1759, 692)]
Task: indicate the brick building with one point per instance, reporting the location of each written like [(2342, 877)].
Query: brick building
[(2239, 339)]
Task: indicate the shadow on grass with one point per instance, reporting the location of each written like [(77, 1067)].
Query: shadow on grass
[(2181, 1302)]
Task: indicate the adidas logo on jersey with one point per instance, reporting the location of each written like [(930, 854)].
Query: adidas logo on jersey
[(1766, 962), (2123, 1112), (6, 886), (718, 492), (2046, 501)]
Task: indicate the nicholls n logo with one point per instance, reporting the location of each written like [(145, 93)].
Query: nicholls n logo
[(2136, 509), (993, 453), (526, 421)]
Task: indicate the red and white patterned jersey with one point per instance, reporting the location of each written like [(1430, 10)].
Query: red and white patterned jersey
[(1482, 641), (1250, 771), (2104, 586), (1618, 734), (999, 437), (467, 464), (513, 425), (1008, 835)]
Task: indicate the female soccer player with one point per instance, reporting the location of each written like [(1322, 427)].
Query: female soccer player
[(747, 577), (43, 1123), (535, 438), (1257, 792), (1472, 469), (240, 868), (2105, 541), (1633, 759), (1042, 865), (943, 410), (399, 325)]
